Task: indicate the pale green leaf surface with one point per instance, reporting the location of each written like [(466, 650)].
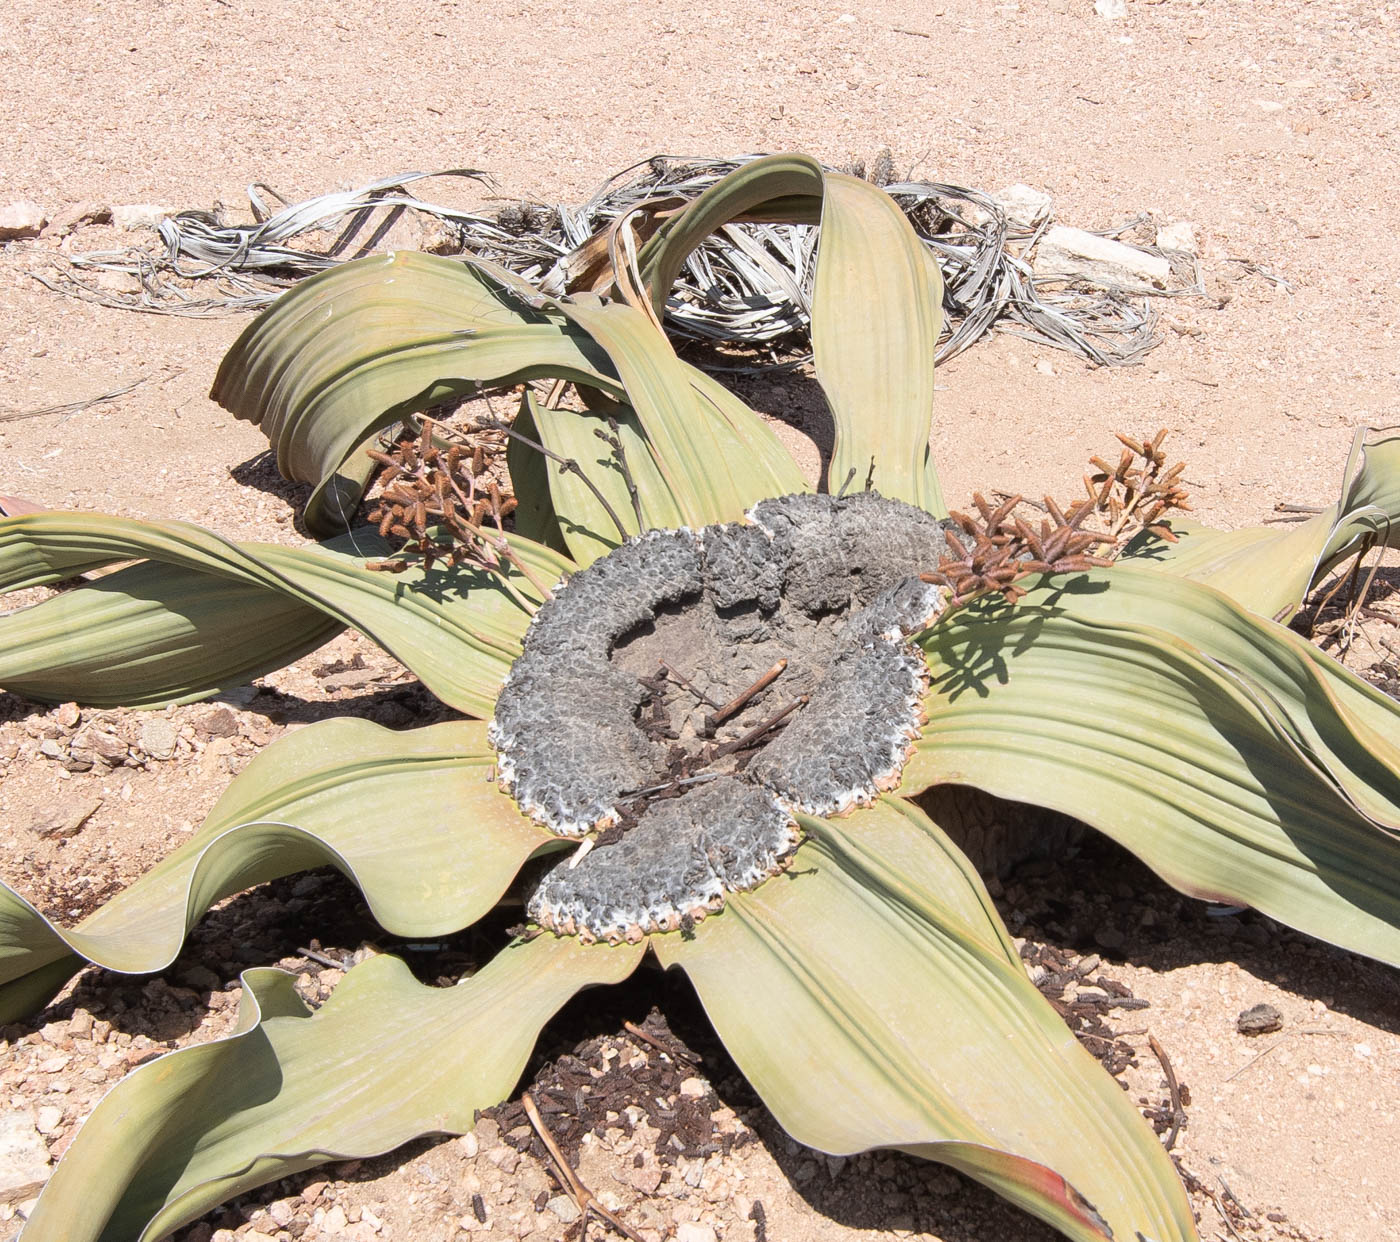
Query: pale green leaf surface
[(706, 465), (150, 635), (587, 528), (876, 316), (1270, 569), (332, 793), (754, 439), (384, 1060), (777, 187), (1370, 505), (530, 479), (876, 312), (1266, 569), (352, 350), (1238, 769), (1346, 729), (458, 629), (873, 999)]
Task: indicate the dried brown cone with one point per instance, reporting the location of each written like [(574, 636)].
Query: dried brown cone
[(998, 548), (438, 503)]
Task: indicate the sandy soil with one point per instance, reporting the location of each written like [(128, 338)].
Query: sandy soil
[(1271, 126)]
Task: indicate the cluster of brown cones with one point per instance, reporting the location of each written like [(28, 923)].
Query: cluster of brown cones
[(999, 548)]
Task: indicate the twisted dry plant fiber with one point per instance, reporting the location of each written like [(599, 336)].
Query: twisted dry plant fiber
[(748, 286)]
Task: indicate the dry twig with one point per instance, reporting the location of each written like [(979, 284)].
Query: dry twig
[(571, 1181)]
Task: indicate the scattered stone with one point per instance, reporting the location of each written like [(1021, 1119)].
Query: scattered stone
[(217, 722), (1178, 235), (21, 220), (353, 678), (1111, 10), (1259, 1020), (118, 283), (71, 218), (158, 737), (105, 746), (67, 715), (1109, 938), (24, 1158), (132, 216), (646, 1179), (564, 1208), (1023, 205), (414, 230), (1073, 254), (695, 1087), (80, 1025), (694, 1231), (488, 1131), (49, 1120), (65, 821)]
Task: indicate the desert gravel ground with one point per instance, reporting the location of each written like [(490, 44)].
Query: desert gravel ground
[(1272, 126)]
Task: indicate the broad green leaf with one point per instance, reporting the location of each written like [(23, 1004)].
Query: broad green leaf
[(385, 1060), (332, 793), (587, 527), (1373, 495), (1266, 569), (876, 311), (876, 316), (754, 440), (150, 635), (707, 465), (779, 188), (353, 350), (458, 629), (531, 480), (1270, 569), (873, 998), (1233, 758)]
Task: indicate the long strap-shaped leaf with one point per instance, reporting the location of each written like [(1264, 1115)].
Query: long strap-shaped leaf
[(874, 1000), (1346, 729), (684, 419), (710, 470), (459, 630), (384, 1060), (150, 635), (333, 793), (587, 528), (1220, 748), (876, 311), (1270, 569), (876, 316), (351, 351)]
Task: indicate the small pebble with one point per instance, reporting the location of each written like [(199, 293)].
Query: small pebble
[(1259, 1020)]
